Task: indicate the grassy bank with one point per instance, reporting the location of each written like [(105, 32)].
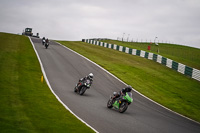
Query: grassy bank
[(27, 105), (162, 84), (183, 54)]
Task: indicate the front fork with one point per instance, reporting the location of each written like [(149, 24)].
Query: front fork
[(77, 86)]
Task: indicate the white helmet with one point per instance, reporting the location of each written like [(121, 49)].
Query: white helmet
[(91, 75)]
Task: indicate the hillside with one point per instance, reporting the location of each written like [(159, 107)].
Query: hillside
[(186, 55)]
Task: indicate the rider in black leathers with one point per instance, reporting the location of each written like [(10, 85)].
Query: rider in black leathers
[(43, 40), (123, 91), (90, 77), (47, 40)]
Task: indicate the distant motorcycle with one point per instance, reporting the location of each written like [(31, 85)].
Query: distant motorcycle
[(43, 41), (46, 45), (121, 103), (81, 87)]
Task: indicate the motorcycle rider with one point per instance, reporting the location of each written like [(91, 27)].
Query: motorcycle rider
[(122, 92), (47, 40), (43, 40), (90, 77), (46, 43)]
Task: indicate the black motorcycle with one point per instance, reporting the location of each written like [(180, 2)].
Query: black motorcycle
[(82, 86), (43, 41), (46, 45)]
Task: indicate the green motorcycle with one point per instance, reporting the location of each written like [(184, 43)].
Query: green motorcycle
[(120, 103)]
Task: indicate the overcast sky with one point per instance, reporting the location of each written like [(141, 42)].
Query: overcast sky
[(174, 21)]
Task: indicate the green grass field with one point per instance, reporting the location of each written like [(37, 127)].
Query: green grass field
[(182, 54), (162, 84), (27, 105)]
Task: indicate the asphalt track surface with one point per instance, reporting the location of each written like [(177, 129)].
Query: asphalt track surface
[(64, 68)]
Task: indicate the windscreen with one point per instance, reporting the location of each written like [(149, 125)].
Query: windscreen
[(130, 94)]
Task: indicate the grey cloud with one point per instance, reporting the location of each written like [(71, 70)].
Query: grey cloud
[(173, 20)]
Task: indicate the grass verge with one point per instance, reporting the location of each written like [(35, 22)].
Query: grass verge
[(183, 54), (162, 84), (27, 105)]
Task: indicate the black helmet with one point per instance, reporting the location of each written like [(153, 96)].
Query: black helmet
[(129, 88)]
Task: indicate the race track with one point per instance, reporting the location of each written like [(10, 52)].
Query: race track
[(64, 68)]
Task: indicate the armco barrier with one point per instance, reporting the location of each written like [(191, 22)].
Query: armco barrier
[(186, 70)]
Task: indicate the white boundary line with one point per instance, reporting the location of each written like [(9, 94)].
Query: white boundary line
[(126, 84), (44, 73)]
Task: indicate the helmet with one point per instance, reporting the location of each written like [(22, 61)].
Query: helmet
[(129, 88), (114, 93), (90, 75)]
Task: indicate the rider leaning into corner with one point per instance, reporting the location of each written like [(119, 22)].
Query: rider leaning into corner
[(123, 91), (47, 40), (43, 40), (90, 77)]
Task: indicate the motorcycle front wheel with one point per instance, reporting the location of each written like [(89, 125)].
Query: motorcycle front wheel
[(82, 90), (75, 90), (109, 103), (123, 107)]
